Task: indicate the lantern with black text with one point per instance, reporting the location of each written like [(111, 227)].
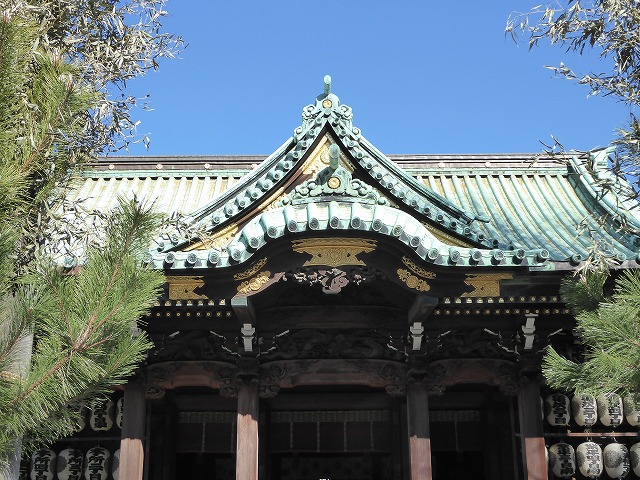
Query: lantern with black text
[(562, 460), (634, 454), (616, 460), (585, 412), (23, 474), (102, 413), (610, 409), (119, 412), (43, 464), (115, 465), (70, 464), (631, 404), (82, 418), (96, 464), (556, 409), (589, 459)]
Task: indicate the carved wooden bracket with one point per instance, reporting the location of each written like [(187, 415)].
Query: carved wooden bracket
[(440, 374), (212, 374), (292, 373)]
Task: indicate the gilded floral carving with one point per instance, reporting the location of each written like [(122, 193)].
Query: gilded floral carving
[(413, 282), (250, 271)]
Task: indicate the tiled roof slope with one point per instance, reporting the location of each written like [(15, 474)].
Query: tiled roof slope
[(532, 201), (453, 210)]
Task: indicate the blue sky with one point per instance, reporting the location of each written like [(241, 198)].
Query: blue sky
[(421, 77)]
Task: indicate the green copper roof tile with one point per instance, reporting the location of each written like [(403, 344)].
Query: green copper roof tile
[(526, 204)]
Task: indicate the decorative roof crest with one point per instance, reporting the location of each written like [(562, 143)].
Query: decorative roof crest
[(332, 181), (327, 106)]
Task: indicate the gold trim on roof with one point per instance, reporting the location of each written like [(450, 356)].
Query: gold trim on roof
[(417, 269), (319, 159), (273, 201), (446, 238), (250, 271), (334, 252), (217, 240)]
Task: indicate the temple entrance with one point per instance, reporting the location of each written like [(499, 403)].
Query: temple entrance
[(472, 434), (354, 466), (206, 466), (320, 435)]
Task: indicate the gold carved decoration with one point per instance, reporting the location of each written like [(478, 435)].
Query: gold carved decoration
[(319, 159), (183, 287), (254, 284), (417, 269), (217, 240), (333, 182), (334, 252), (250, 271), (273, 200), (485, 284), (412, 281)]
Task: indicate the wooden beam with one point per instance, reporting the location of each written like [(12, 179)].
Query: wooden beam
[(247, 441), (531, 430), (133, 428), (243, 308), (418, 430), (421, 308)]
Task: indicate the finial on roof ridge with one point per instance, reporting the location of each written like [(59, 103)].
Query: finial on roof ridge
[(327, 84)]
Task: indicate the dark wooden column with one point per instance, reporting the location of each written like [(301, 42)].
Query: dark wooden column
[(133, 428), (418, 429), (248, 418), (531, 431)]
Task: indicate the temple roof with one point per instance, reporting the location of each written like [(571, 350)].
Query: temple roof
[(451, 210)]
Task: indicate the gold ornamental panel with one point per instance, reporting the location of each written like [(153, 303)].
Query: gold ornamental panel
[(183, 287), (485, 284), (334, 252)]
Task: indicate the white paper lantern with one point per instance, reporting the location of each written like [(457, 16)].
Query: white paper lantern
[(610, 409), (562, 460), (82, 420), (43, 464), (589, 459), (585, 411), (102, 415), (115, 465), (557, 409), (70, 464), (631, 404), (119, 412), (96, 464), (23, 473), (616, 460), (634, 454)]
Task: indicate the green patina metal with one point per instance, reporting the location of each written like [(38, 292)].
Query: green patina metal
[(515, 211), (327, 115)]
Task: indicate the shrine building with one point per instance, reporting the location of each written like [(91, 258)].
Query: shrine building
[(331, 312)]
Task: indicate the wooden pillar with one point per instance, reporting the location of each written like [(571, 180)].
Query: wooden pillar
[(247, 429), (133, 429), (531, 431), (418, 429)]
